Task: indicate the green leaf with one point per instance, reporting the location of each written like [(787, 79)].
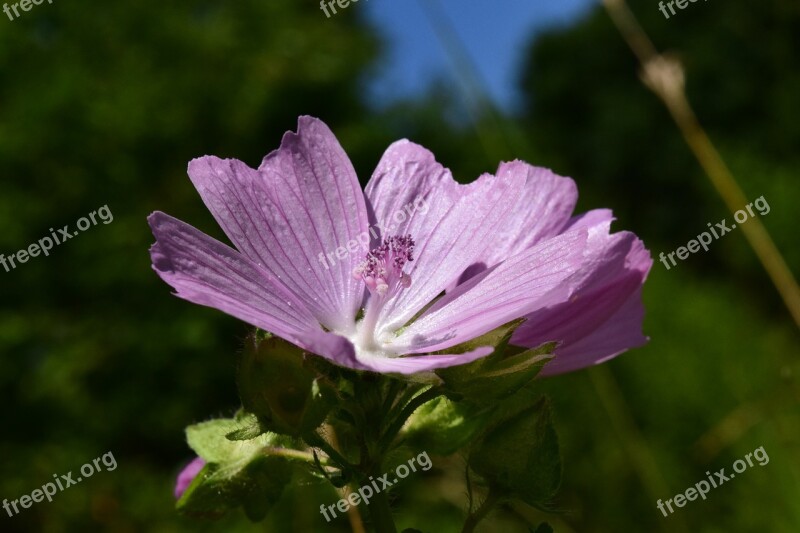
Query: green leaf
[(519, 457), (250, 427), (238, 472), (544, 527), (443, 426), (256, 484), (208, 440), (276, 385)]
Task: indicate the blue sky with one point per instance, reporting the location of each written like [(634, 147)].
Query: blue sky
[(495, 34)]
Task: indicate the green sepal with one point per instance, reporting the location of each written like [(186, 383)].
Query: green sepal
[(499, 375), (281, 387), (518, 455), (443, 426)]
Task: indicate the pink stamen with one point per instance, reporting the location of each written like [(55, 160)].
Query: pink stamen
[(382, 270)]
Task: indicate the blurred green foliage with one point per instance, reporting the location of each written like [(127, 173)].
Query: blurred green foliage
[(719, 377), (105, 106)]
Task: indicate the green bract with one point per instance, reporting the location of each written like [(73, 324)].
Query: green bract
[(251, 473), (275, 385), (349, 428), (518, 456)]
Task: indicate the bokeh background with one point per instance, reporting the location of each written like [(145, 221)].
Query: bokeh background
[(104, 104)]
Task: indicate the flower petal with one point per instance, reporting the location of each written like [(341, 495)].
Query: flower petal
[(545, 206), (589, 219), (409, 192), (335, 348), (302, 204), (239, 200), (422, 363), (319, 195), (204, 271), (187, 475), (604, 315), (459, 223), (409, 175), (516, 287), (620, 332)]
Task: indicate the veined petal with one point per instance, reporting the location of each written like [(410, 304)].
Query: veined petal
[(620, 332), (604, 315), (463, 226), (422, 363), (544, 208), (204, 271), (410, 192), (589, 219), (516, 287), (333, 347), (324, 217), (287, 229), (238, 198)]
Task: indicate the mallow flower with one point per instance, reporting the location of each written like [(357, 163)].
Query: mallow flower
[(390, 278), (187, 475)]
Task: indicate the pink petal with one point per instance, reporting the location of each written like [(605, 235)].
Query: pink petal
[(187, 475), (206, 272), (237, 197), (302, 204), (620, 332), (603, 317), (589, 219), (460, 223), (544, 207), (422, 363), (516, 287)]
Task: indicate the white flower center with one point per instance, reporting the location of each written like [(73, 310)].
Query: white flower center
[(382, 273)]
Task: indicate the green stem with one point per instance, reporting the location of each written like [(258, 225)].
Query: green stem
[(314, 440), (292, 454), (380, 512), (474, 518), (394, 387), (400, 401), (408, 410)]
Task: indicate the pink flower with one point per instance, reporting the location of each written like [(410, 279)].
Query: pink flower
[(187, 475), (311, 267)]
